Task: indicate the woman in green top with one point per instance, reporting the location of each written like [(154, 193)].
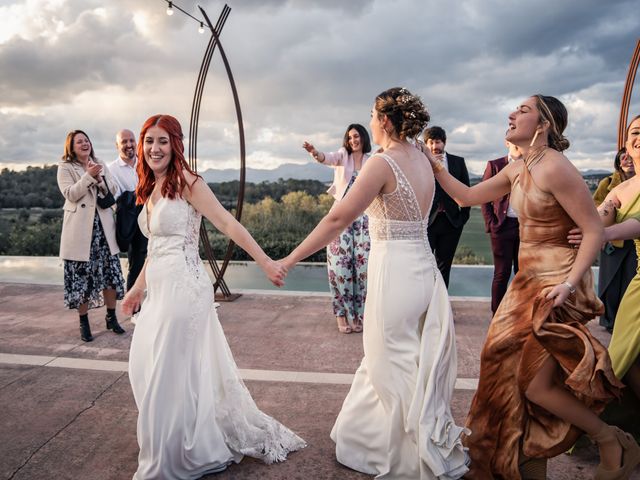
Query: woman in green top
[(622, 203), (618, 260)]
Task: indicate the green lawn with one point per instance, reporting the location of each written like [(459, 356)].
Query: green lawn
[(474, 237)]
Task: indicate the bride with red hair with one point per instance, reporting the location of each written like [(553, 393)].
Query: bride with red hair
[(195, 414)]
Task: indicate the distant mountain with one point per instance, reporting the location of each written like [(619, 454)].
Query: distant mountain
[(311, 171), (305, 171), (596, 171)]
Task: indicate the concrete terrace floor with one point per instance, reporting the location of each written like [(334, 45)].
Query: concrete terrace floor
[(67, 412)]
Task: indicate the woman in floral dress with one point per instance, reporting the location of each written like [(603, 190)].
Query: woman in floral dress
[(347, 254)]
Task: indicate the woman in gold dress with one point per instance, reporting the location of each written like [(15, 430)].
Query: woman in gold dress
[(543, 377)]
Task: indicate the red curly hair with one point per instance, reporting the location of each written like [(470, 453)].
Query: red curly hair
[(174, 181)]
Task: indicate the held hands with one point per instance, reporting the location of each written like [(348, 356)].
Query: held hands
[(276, 272), (132, 300), (94, 169)]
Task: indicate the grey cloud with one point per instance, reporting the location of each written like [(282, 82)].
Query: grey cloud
[(307, 69)]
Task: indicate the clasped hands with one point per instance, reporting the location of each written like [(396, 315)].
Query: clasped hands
[(94, 169), (277, 270)]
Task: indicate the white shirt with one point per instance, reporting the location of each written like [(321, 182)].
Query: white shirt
[(125, 176), (510, 211), (445, 162)]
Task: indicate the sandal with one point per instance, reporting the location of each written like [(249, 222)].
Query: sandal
[(343, 327), (630, 453), (357, 327)]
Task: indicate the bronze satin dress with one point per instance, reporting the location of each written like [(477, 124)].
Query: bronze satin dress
[(524, 332)]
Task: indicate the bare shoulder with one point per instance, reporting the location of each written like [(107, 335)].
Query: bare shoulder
[(557, 171), (627, 185), (512, 169), (378, 163)]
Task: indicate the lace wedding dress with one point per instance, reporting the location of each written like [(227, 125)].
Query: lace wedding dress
[(195, 414), (396, 421)]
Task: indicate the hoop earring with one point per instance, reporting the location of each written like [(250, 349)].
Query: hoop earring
[(533, 140)]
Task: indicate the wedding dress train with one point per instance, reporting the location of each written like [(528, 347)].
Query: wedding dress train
[(195, 414)]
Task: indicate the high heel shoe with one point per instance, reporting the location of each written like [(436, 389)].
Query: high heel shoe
[(630, 453), (343, 327), (112, 324)]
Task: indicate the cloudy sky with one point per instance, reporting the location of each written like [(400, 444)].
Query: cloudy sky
[(305, 69)]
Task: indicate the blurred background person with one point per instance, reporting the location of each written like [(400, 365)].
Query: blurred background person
[(446, 219), (130, 238), (618, 259), (501, 223), (92, 273), (347, 254)]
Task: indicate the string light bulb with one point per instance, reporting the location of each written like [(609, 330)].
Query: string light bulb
[(201, 28), (170, 9)]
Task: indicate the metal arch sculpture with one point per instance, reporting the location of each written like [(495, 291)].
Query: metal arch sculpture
[(214, 41), (626, 96)]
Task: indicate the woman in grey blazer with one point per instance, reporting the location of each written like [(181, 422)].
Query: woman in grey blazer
[(92, 273)]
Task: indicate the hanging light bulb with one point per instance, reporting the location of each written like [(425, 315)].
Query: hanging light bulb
[(170, 9), (201, 29)]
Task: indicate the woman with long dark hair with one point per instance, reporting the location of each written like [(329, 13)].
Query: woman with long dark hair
[(347, 254)]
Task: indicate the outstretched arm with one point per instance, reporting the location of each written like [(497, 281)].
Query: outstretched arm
[(492, 189), (375, 174), (627, 230), (202, 198), (331, 159)]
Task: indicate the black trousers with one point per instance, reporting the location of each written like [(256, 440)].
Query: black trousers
[(136, 255), (444, 238), (504, 245)]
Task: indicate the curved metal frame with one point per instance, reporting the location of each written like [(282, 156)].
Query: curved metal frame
[(214, 41), (626, 96)]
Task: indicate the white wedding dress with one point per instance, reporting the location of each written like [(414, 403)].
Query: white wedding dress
[(195, 414), (396, 421)]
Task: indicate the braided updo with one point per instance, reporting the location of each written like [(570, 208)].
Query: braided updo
[(407, 113), (553, 111)]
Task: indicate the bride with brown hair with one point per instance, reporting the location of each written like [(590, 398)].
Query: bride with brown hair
[(543, 377), (396, 421)]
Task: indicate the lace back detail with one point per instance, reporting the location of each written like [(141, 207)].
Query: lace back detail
[(397, 215), (401, 204)]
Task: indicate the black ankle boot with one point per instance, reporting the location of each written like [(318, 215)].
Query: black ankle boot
[(85, 329), (112, 323)]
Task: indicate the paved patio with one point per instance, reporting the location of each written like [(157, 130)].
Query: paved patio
[(67, 411)]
